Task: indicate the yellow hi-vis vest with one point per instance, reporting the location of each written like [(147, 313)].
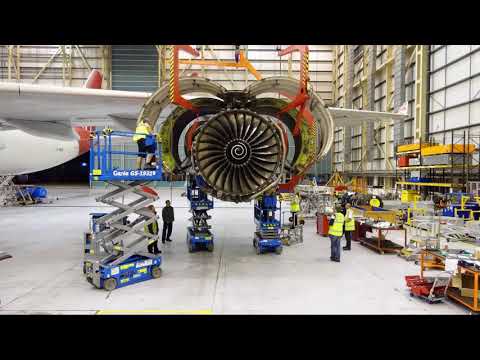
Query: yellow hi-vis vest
[(142, 128), (337, 228), (349, 223), (295, 204), (155, 231)]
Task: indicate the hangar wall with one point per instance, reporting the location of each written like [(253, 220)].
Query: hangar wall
[(440, 83), (377, 78), (59, 65), (454, 90)]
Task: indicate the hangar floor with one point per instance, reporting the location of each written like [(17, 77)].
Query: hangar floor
[(45, 273)]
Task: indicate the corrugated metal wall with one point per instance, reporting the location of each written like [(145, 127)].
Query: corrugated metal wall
[(134, 68)]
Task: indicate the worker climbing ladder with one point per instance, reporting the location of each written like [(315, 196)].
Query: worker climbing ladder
[(116, 247)]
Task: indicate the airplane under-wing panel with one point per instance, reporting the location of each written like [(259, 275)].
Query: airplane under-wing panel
[(59, 130)]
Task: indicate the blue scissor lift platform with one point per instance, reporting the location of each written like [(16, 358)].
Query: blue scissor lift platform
[(268, 225), (115, 248), (199, 236)]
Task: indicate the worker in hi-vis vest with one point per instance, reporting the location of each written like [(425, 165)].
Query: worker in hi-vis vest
[(335, 232), (145, 151), (349, 225), (152, 229), (295, 209)]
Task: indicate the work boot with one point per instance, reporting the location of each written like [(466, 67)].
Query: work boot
[(169, 240), (346, 248), (158, 252)]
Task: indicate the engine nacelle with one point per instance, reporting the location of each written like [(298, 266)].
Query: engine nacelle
[(239, 142)]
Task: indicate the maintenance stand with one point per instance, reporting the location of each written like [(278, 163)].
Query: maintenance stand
[(199, 236), (115, 249), (267, 220)]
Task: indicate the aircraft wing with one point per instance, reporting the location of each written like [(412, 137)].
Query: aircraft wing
[(352, 117), (51, 111)]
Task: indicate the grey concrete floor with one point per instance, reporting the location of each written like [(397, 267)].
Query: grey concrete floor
[(45, 274)]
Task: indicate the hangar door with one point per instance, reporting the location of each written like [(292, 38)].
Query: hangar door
[(134, 68)]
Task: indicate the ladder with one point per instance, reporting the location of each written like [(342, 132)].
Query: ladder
[(8, 193), (11, 194)]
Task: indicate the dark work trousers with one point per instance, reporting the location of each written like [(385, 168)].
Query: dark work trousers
[(348, 237), (153, 248), (165, 234), (335, 247), (294, 219)]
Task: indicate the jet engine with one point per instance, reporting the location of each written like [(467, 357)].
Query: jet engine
[(239, 153), (239, 142)]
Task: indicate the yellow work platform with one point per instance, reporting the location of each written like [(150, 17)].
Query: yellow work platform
[(409, 148), (448, 149)]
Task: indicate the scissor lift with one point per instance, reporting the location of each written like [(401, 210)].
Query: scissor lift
[(267, 220), (199, 235), (115, 249)]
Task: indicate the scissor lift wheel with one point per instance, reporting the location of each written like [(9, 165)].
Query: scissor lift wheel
[(258, 250), (110, 284), (210, 247), (191, 248), (156, 272)]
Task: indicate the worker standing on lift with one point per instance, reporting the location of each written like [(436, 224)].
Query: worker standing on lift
[(152, 229), (145, 151), (295, 209), (349, 225), (335, 233)]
